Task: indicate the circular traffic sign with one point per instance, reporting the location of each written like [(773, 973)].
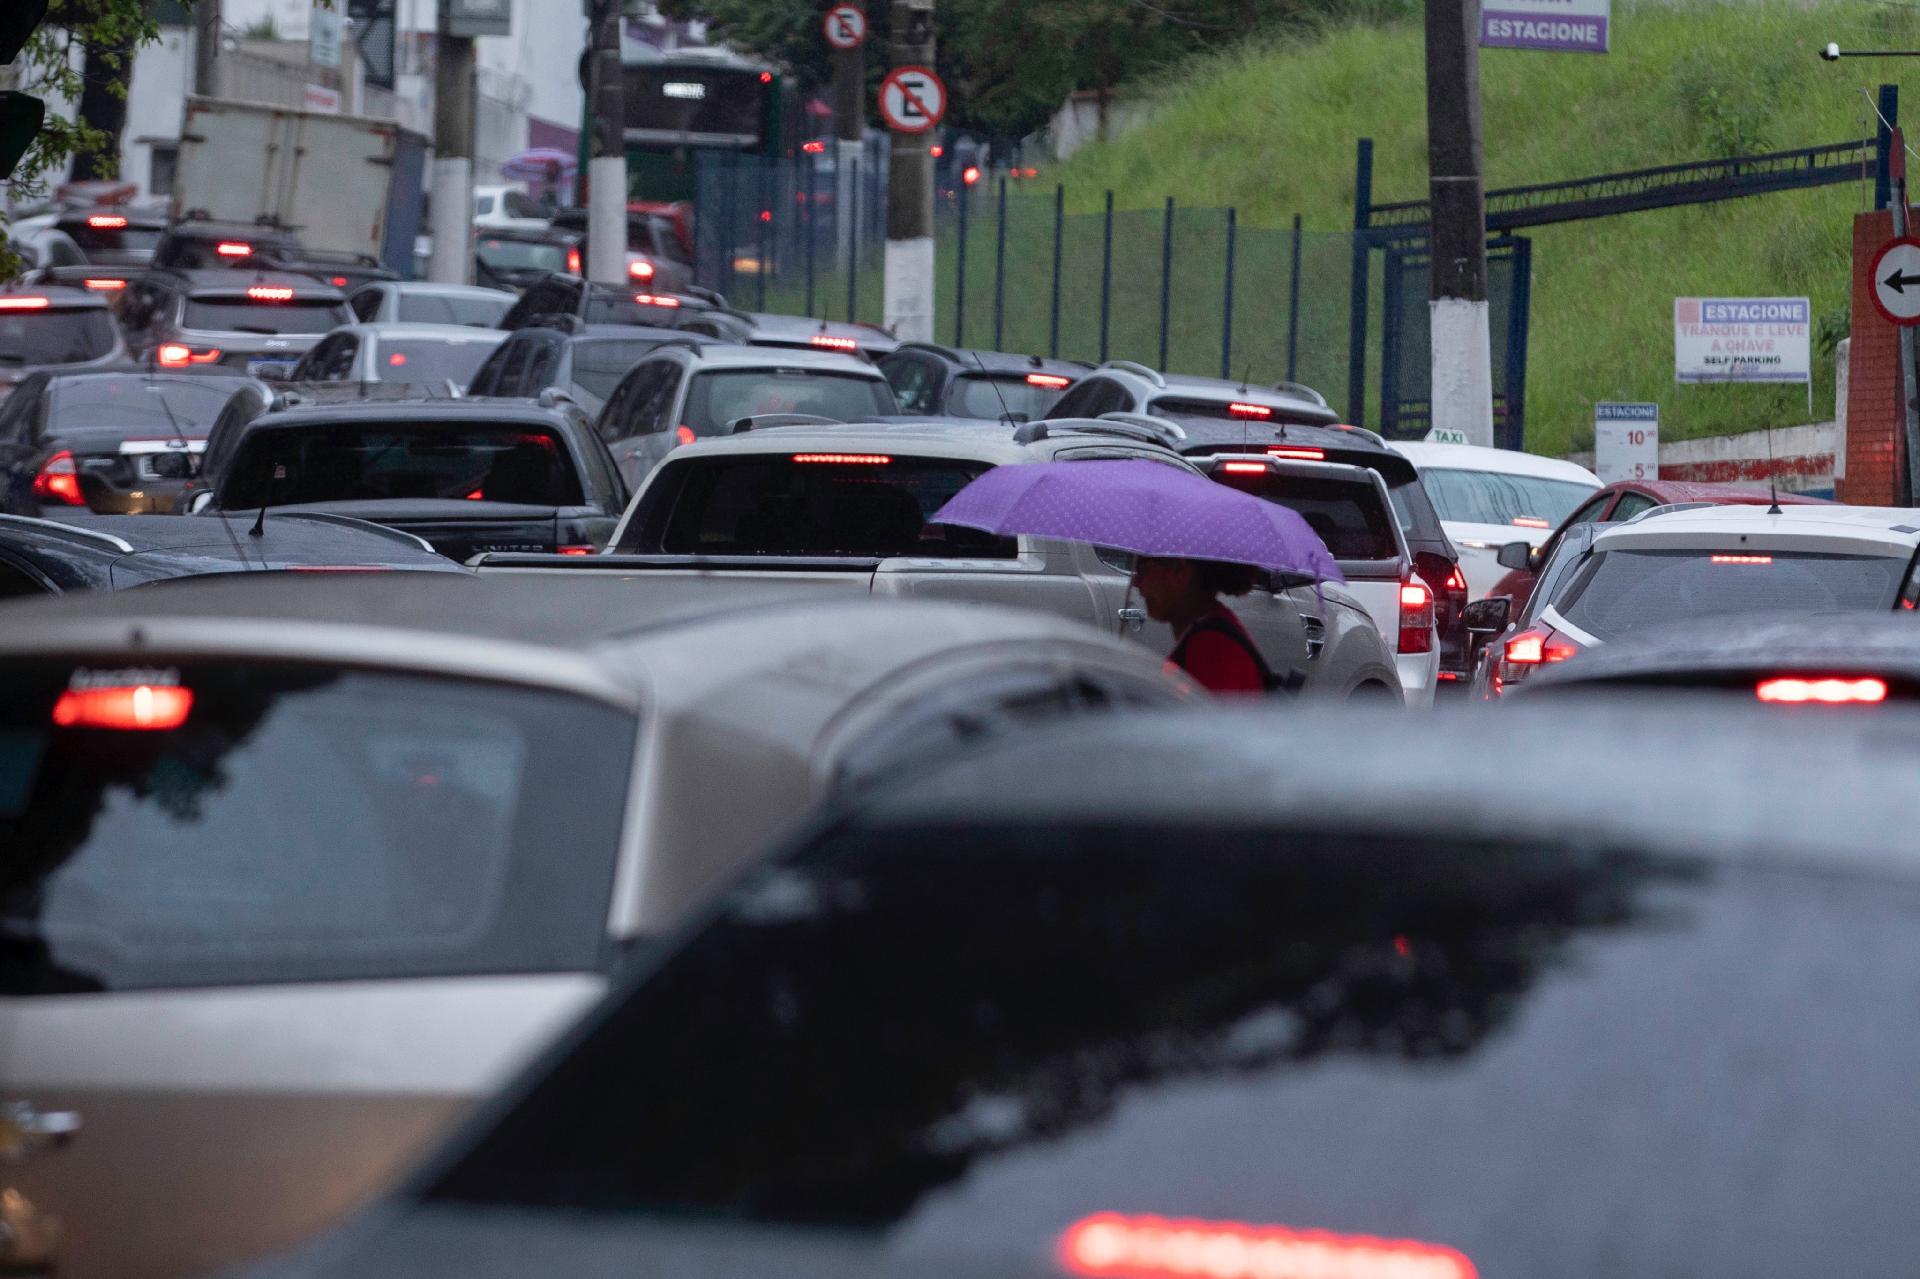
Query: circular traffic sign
[(846, 26), (912, 99), (1896, 280)]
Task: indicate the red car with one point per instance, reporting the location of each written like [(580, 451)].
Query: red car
[(1621, 501)]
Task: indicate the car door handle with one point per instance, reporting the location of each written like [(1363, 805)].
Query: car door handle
[(25, 1130), (1316, 636), (1131, 619)]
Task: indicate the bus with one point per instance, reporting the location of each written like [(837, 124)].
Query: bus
[(690, 101)]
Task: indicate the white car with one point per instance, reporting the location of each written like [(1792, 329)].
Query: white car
[(422, 302), (422, 354), (507, 206), (1489, 497), (1689, 564)]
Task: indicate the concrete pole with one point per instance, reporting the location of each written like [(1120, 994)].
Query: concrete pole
[(607, 170), (1462, 350), (206, 48), (849, 119), (909, 263), (453, 112)]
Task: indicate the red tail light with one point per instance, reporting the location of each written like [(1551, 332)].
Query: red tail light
[(814, 148), (59, 481), (1244, 468), (845, 459), (398, 359), (1259, 411), (640, 269), (1743, 559), (1052, 381), (1826, 692), (106, 222), (24, 304), (105, 284), (1535, 647), (175, 356), (233, 249), (576, 550), (338, 281), (833, 343), (1416, 618), (1530, 521), (1457, 581), (1110, 1245), (140, 706), (656, 299), (684, 434), (1298, 454), (270, 293), (766, 77), (573, 262)]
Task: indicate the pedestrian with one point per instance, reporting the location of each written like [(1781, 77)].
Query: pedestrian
[(1210, 643)]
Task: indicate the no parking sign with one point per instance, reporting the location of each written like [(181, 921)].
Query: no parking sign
[(912, 100)]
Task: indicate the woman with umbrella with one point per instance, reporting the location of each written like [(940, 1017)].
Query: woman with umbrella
[(1211, 645)]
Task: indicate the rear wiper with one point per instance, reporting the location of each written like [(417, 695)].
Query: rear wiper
[(255, 328), (8, 357)]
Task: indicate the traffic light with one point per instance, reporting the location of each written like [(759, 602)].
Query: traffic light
[(21, 114)]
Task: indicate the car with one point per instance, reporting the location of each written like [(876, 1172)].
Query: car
[(1615, 504), (366, 843), (117, 441), (1490, 497), (41, 557), (1215, 412), (939, 380), (108, 280), (421, 302), (195, 244), (447, 354), (519, 257), (1490, 618), (260, 322), (1348, 508), (845, 509), (54, 327), (469, 476), (700, 314), (803, 332), (656, 260), (1727, 563), (507, 206), (583, 361), (683, 392), (116, 234), (42, 247), (1164, 997)]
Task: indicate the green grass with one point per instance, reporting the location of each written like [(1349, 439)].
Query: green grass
[(1270, 130)]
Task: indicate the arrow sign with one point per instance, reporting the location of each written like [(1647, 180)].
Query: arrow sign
[(846, 26), (1896, 281), (913, 100)]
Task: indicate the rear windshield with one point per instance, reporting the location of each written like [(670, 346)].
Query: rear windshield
[(1619, 592), (718, 399), (781, 505), (620, 308), (126, 239), (492, 462), (984, 1044), (1211, 416), (301, 823), (428, 360), (991, 397), (137, 405), (599, 366), (1495, 497), (232, 315), (55, 336), (521, 255), (429, 308), (1350, 518)]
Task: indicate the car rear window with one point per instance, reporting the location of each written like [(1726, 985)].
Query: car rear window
[(873, 505), (239, 315), (980, 1046), (991, 397), (1210, 416), (104, 239), (432, 308), (721, 397), (300, 823), (599, 366), (621, 308), (137, 405), (1496, 497), (521, 255), (55, 336), (1620, 591), (1351, 518), (364, 462), (431, 359)]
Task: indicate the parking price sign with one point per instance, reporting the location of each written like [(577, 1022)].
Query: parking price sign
[(1742, 340), (1626, 442)]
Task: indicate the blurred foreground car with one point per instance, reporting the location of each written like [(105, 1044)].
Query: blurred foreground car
[(297, 869), (1488, 498), (1175, 998)]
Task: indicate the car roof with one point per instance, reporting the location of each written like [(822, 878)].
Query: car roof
[(1671, 491), (1474, 457), (972, 440), (60, 297), (1891, 526), (1833, 643), (422, 330), (135, 216), (735, 355), (216, 281), (1186, 386), (431, 289), (476, 409), (970, 359)]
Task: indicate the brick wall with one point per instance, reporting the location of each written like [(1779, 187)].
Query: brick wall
[(1874, 450)]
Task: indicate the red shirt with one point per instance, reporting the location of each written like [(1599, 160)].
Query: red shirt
[(1215, 661)]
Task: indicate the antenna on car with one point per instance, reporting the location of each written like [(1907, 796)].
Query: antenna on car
[(1006, 414), (1773, 492), (180, 434)]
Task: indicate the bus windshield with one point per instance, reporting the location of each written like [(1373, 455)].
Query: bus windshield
[(704, 101)]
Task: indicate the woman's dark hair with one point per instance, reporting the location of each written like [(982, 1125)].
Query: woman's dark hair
[(1225, 579)]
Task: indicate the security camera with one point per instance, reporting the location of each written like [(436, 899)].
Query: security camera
[(1831, 53)]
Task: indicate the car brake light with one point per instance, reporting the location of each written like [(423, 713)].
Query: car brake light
[(814, 148), (1829, 692), (844, 459), (233, 249), (173, 355), (1244, 468), (138, 706), (59, 481), (1533, 647), (1457, 581), (106, 221), (576, 550), (656, 299), (1416, 618), (1298, 454), (833, 343), (640, 269), (1530, 521), (1052, 381), (684, 434), (105, 284), (397, 359), (766, 77), (573, 262), (1743, 559), (24, 304), (270, 293), (1250, 410), (1110, 1244)]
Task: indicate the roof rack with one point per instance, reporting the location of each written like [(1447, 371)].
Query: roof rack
[(347, 521), (1139, 370), (1303, 391), (58, 529), (765, 420), (1129, 426), (1671, 508)]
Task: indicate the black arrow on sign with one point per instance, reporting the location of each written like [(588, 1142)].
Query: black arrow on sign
[(1899, 281)]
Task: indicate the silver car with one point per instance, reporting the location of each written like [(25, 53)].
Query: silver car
[(420, 354), (285, 892)]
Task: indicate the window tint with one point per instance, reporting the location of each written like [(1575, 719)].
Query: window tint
[(624, 416), (429, 359), (1592, 510), (1495, 497), (719, 398), (366, 304), (54, 336), (303, 824), (1091, 398), (961, 713), (598, 366), (439, 308), (1621, 591), (770, 504), (375, 461), (520, 255), (1349, 517), (915, 381), (974, 395), (16, 584), (136, 405), (1630, 505), (226, 315)]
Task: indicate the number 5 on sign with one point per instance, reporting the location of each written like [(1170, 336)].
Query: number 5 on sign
[(1626, 442)]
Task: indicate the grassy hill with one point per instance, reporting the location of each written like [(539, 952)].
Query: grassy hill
[(1270, 130)]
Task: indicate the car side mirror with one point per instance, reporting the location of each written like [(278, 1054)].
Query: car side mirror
[(1488, 616), (199, 501), (1516, 555), (173, 466)]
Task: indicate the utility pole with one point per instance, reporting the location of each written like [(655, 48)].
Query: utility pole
[(607, 170), (1909, 486), (849, 120), (206, 48), (453, 112), (1462, 388), (909, 261)]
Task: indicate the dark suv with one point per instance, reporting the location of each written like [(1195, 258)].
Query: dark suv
[(194, 245), (1209, 409), (702, 314), (936, 381), (258, 322), (586, 362)]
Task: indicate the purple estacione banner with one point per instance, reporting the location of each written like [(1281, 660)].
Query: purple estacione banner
[(1577, 26)]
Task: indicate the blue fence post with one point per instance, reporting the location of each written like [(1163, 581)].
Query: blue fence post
[(807, 229), (1106, 277), (1889, 107), (1166, 279), (853, 238), (1357, 284), (1519, 304), (730, 237), (960, 273), (1293, 306), (1226, 311), (1000, 272), (1059, 224)]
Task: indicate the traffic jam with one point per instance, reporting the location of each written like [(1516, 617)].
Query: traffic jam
[(545, 776)]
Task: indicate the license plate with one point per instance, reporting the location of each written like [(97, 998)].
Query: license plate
[(270, 367)]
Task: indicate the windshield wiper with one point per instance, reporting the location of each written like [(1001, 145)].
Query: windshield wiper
[(255, 328)]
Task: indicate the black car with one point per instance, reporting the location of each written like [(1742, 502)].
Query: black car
[(116, 441), (54, 326), (115, 235), (701, 314), (469, 475), (258, 322), (1187, 997), (44, 557), (939, 381), (586, 362), (518, 258), (197, 245)]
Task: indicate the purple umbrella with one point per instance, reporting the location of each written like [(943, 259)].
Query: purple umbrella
[(540, 164), (1145, 507)]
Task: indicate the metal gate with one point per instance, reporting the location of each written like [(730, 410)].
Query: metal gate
[(1406, 361)]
